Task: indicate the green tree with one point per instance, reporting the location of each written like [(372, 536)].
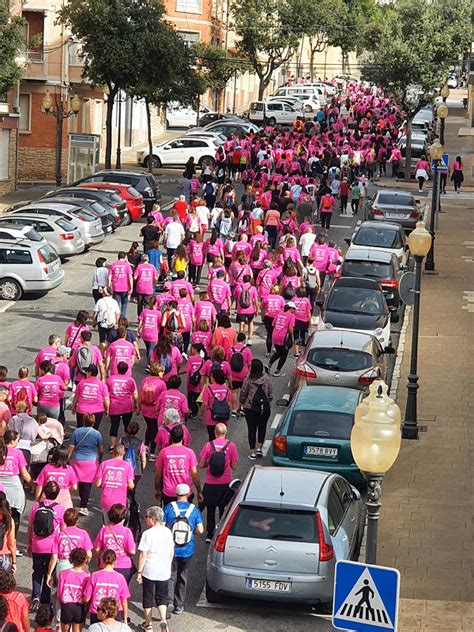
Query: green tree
[(267, 35), (11, 43), (409, 52)]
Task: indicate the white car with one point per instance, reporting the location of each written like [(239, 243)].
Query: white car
[(178, 115), (275, 112), (452, 81), (383, 236), (177, 152), (219, 138)]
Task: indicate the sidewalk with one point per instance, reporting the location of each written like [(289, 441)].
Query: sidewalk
[(426, 528)]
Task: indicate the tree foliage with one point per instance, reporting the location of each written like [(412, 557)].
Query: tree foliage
[(11, 43), (267, 35)]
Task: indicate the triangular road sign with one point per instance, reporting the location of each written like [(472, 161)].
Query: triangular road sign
[(364, 604)]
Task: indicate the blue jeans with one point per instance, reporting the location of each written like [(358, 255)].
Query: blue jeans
[(122, 300)]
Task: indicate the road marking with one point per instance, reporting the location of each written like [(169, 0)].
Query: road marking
[(6, 306), (276, 420), (266, 446)]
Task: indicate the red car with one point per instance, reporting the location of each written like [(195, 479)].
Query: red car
[(131, 197)]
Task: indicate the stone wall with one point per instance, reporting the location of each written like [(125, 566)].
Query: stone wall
[(7, 186), (39, 164)]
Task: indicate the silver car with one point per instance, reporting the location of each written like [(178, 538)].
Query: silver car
[(11, 231), (338, 357), (89, 225), (65, 238), (395, 206), (282, 535), (27, 267)]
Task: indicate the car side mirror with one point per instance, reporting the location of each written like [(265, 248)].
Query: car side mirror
[(348, 241), (283, 403), (389, 350)]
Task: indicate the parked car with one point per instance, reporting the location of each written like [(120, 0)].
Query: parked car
[(176, 152), (336, 357), (89, 225), (382, 236), (419, 148), (108, 198), (315, 431), (93, 207), (28, 267), (394, 205), (357, 304), (133, 200), (452, 81), (58, 232), (282, 535), (178, 115), (219, 138), (210, 117), (14, 231), (231, 127), (306, 90), (144, 182), (382, 267), (273, 112)]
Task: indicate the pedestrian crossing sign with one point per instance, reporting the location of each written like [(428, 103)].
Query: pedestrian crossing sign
[(365, 597)]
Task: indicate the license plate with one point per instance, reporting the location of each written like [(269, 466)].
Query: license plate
[(108, 229), (267, 584), (314, 450), (397, 215), (55, 265)]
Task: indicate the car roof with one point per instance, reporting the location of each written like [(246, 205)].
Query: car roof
[(55, 206), (124, 172), (333, 338), (28, 217), (395, 193), (383, 225), (368, 254), (320, 397), (301, 488), (367, 284)]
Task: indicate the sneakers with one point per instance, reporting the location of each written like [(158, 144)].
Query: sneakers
[(35, 603), (164, 626), (178, 610), (19, 553), (267, 368), (268, 354), (84, 511), (152, 458), (259, 453), (278, 374), (252, 457), (249, 342), (208, 540)]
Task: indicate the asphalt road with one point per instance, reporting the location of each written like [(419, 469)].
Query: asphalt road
[(26, 326)]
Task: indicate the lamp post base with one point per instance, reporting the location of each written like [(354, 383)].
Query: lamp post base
[(373, 503)]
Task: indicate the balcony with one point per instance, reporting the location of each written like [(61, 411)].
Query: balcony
[(36, 56)]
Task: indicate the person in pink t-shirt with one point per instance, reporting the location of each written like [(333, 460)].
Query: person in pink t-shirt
[(148, 326), (61, 473), (150, 389), (219, 293), (171, 419), (173, 398), (196, 258), (195, 379), (115, 477), (239, 358), (246, 300), (120, 351), (179, 284), (217, 361), (169, 356), (282, 338), (302, 318), (48, 353), (326, 209), (146, 277), (216, 488), (119, 539), (107, 583), (216, 391), (205, 310), (66, 540), (271, 305), (91, 396), (23, 390), (70, 591), (72, 335), (176, 464), (50, 389), (123, 396)]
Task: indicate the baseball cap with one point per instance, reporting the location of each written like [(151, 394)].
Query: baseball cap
[(291, 304), (182, 489), (63, 350)]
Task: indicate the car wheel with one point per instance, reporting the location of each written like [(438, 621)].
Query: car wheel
[(155, 162), (10, 290), (272, 121), (127, 219), (209, 160), (212, 596)]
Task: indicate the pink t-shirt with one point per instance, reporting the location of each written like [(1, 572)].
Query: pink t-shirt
[(65, 477), (265, 280), (174, 399), (96, 358), (320, 254), (217, 391), (119, 539), (115, 475), (281, 324), (219, 291), (71, 586), (73, 334), (119, 273), (13, 463), (210, 364), (61, 368), (48, 353), (202, 337), (272, 304), (196, 252), (231, 456), (90, 394), (45, 544), (106, 584), (121, 351), (145, 276), (176, 462), (303, 308), (187, 311), (50, 390), (68, 539), (162, 438), (151, 409), (177, 285), (239, 376), (121, 389), (150, 320), (176, 359), (205, 310), (15, 388), (252, 298), (194, 363)]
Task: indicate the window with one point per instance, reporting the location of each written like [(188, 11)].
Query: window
[(377, 237), (345, 493), (4, 153), (74, 54), (49, 254), (190, 37), (335, 511), (372, 269), (288, 108), (188, 6), (15, 257), (341, 360), (43, 227), (25, 112), (321, 423), (292, 526), (64, 224)]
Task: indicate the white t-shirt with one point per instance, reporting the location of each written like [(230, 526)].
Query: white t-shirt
[(203, 213), (157, 543), (103, 305), (174, 232), (306, 241)]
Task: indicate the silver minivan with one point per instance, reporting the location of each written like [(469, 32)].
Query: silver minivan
[(65, 238), (89, 225), (27, 267), (282, 535)]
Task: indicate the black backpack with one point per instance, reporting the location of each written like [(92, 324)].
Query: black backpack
[(195, 377), (43, 522), (220, 409), (237, 360), (260, 404), (290, 291), (217, 460), (244, 299), (173, 322)]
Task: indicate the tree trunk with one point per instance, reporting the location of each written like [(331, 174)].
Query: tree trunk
[(108, 126), (408, 149), (312, 53), (148, 131), (261, 87)]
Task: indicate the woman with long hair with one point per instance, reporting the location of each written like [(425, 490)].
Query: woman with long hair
[(457, 175), (107, 582), (23, 390), (8, 542), (119, 539), (59, 471), (255, 399), (17, 602), (166, 354), (13, 468)]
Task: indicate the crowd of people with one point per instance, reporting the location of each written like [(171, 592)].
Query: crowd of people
[(204, 276)]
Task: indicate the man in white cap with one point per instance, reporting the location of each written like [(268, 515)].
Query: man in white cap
[(185, 521)]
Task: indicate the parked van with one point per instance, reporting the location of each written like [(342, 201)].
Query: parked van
[(273, 112), (309, 91)]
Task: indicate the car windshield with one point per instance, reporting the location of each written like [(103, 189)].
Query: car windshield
[(84, 215), (49, 255), (377, 237), (398, 199), (273, 524), (64, 224), (98, 208), (133, 192), (320, 423), (355, 300), (372, 269), (342, 360)]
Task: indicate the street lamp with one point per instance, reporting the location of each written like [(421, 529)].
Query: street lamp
[(60, 114), (375, 444), (436, 153), (442, 113), (419, 242), (444, 92)]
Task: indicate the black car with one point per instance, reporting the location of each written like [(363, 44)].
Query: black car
[(144, 182), (210, 117), (109, 199), (89, 205), (382, 267)]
